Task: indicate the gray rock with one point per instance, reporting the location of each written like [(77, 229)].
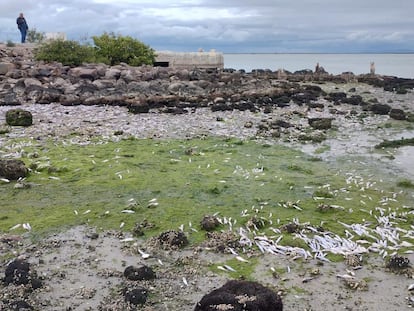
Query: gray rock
[(5, 68)]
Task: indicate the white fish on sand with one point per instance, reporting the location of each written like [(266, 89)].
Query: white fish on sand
[(144, 255), (185, 281)]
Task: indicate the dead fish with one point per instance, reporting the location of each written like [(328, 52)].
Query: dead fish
[(127, 240), (239, 258), (86, 212), (144, 255), (229, 268), (152, 203), (411, 287), (5, 180), (128, 211), (226, 268), (15, 227), (27, 226), (185, 281), (122, 225), (345, 276)]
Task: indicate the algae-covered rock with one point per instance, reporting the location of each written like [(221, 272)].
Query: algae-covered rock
[(320, 123), (19, 117), (13, 169)]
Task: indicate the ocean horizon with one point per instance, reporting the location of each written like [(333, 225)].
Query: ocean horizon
[(392, 64)]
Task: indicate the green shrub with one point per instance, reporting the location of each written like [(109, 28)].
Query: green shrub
[(34, 36), (113, 50), (10, 44), (69, 53)]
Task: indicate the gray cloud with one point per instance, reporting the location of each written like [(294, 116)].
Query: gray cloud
[(229, 26)]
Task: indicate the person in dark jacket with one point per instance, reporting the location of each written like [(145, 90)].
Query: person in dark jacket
[(22, 25)]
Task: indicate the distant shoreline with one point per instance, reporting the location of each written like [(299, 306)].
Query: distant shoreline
[(326, 53)]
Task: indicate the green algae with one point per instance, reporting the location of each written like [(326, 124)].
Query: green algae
[(109, 185), (395, 143)]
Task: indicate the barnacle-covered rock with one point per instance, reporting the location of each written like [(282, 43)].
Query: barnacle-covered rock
[(137, 274), (13, 169), (353, 260), (398, 263), (209, 223), (238, 295), (173, 239)]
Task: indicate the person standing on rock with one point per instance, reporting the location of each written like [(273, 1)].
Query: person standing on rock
[(23, 27)]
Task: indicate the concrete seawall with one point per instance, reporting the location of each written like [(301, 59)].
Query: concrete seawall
[(200, 59)]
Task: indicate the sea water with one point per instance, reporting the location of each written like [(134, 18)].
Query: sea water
[(400, 65)]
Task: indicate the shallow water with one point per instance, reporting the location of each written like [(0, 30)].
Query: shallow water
[(386, 64), (404, 159)]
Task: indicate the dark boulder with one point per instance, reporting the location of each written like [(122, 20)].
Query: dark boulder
[(398, 264), (281, 101), (381, 109), (137, 274), (19, 117), (135, 296), (209, 223), (13, 169), (138, 107), (320, 123), (398, 114), (241, 296), (316, 105), (244, 105), (219, 106), (279, 124), (304, 97), (20, 305), (336, 96), (18, 272), (355, 100)]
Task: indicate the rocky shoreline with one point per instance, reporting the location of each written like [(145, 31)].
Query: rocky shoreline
[(97, 101)]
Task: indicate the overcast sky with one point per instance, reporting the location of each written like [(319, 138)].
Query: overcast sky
[(319, 26)]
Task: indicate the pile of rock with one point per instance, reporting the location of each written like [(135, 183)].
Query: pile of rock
[(23, 80)]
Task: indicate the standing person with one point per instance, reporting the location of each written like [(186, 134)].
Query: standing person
[(22, 25)]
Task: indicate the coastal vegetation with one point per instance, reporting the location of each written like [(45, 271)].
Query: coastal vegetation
[(108, 48)]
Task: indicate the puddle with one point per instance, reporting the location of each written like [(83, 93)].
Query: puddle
[(404, 159), (359, 140)]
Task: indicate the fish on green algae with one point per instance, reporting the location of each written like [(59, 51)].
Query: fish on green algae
[(133, 174)]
